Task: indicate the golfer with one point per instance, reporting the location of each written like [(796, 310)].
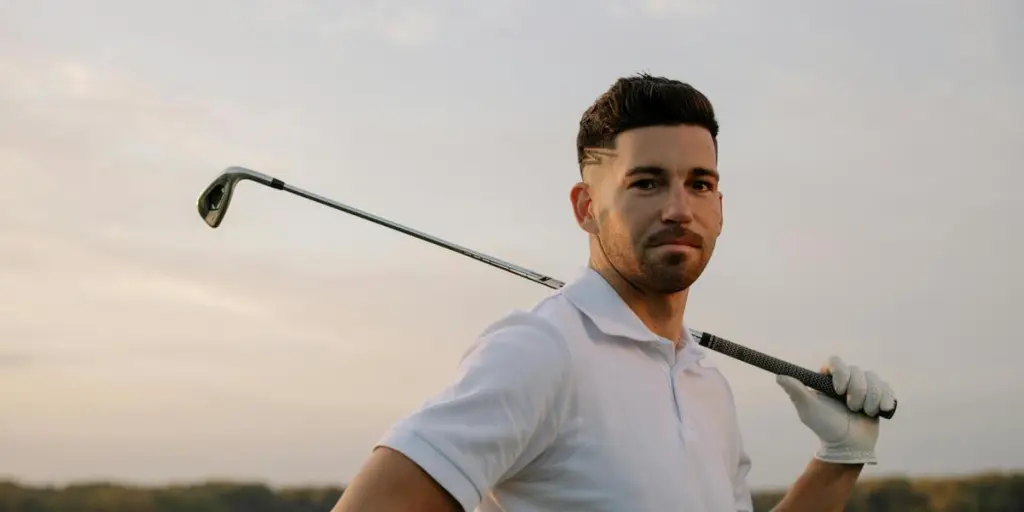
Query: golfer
[(598, 399)]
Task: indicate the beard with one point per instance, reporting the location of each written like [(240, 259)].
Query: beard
[(662, 272)]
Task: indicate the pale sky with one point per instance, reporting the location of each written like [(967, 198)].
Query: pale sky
[(871, 161)]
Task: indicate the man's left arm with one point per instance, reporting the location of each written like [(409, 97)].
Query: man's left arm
[(848, 433), (823, 486)]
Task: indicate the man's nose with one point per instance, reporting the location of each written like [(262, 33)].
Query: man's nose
[(677, 207)]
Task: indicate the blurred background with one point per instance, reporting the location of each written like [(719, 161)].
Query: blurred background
[(870, 155)]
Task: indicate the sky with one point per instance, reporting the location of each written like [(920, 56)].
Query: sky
[(870, 155)]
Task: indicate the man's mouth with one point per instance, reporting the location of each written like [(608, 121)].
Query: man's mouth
[(687, 240), (681, 242)]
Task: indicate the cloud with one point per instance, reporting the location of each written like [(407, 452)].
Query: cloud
[(136, 285), (406, 26), (131, 155), (659, 9), (15, 359), (50, 270), (396, 22), (87, 104), (677, 8)]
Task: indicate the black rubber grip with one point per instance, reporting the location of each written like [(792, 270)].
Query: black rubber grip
[(814, 380)]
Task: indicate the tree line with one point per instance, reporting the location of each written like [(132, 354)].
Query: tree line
[(997, 492)]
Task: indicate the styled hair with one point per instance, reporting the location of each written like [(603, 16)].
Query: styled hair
[(640, 101)]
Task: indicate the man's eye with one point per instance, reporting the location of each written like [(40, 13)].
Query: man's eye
[(644, 184), (703, 185)]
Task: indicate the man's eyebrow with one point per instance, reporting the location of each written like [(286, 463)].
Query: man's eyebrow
[(655, 170), (705, 172)]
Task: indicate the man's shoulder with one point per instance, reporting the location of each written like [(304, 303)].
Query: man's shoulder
[(535, 332), (547, 315)]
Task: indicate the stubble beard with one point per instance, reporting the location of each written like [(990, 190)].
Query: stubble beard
[(660, 274)]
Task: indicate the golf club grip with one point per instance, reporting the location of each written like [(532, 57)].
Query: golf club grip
[(814, 380)]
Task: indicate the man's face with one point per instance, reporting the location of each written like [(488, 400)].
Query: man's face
[(653, 205)]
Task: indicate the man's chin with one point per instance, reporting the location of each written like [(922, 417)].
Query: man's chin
[(670, 288), (671, 281), (672, 276)]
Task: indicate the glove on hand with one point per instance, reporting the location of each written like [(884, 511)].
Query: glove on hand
[(847, 435)]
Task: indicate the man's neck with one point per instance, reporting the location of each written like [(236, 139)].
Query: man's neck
[(661, 313)]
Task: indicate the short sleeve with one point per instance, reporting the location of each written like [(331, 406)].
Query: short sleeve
[(504, 408)]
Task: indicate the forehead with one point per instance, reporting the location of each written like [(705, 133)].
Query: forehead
[(678, 148)]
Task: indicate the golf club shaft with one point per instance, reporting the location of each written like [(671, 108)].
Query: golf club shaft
[(494, 262), (815, 380)]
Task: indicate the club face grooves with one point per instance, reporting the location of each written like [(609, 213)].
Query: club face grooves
[(214, 201)]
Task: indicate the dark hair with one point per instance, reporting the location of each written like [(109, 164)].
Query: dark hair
[(639, 101)]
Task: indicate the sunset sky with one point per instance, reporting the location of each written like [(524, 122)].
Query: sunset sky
[(871, 160)]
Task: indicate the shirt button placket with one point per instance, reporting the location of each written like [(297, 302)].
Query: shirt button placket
[(668, 351), (686, 432), (679, 407), (675, 397)]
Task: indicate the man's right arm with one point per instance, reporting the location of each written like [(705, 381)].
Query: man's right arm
[(390, 481), (504, 408)]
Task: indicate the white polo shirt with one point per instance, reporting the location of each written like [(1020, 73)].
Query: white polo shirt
[(577, 405)]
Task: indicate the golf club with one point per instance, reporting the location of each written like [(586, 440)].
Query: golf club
[(213, 206)]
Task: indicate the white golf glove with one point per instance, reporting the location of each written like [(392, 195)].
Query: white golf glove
[(847, 435)]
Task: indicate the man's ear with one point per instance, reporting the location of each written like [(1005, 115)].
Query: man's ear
[(582, 207), (721, 214)]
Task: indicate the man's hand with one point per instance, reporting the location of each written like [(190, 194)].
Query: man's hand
[(847, 435)]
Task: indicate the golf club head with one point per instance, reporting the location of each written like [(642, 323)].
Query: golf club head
[(214, 201)]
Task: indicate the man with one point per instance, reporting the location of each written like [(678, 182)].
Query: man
[(598, 399)]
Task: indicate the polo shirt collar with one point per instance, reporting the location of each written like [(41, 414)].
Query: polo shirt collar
[(596, 298)]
